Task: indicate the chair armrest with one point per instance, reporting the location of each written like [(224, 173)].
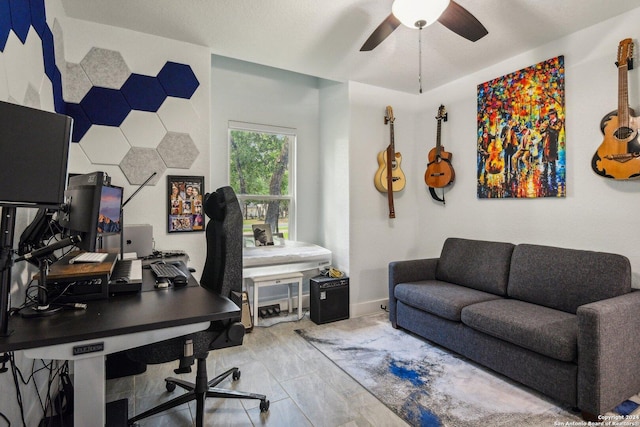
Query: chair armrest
[(608, 352), (408, 271)]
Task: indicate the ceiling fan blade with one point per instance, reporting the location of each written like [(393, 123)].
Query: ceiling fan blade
[(382, 32), (462, 22)]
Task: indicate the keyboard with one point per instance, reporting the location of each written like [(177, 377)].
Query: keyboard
[(89, 257), (168, 271), (128, 271)]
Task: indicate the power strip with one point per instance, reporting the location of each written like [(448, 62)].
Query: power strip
[(266, 311)]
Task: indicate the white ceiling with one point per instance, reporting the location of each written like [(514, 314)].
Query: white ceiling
[(322, 37)]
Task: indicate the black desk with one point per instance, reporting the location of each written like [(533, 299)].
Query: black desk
[(112, 325)]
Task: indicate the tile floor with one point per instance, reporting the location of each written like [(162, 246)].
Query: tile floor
[(304, 387)]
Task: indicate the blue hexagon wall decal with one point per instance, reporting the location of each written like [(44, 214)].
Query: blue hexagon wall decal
[(48, 53), (178, 80), (81, 122), (143, 93), (56, 83), (105, 106), (20, 18), (38, 16), (5, 23)]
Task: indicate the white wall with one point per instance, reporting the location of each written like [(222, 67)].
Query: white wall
[(334, 172), (376, 239), (597, 213), (146, 54)]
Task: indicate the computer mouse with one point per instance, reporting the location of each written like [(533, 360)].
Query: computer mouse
[(179, 281), (122, 280)]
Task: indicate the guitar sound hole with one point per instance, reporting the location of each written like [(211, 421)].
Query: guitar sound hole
[(623, 133)]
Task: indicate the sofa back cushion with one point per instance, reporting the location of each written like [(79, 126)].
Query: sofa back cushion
[(565, 279), (475, 264)]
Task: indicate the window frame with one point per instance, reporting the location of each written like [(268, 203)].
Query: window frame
[(234, 125)]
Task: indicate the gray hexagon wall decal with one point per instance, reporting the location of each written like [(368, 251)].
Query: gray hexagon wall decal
[(105, 68), (139, 163), (178, 150), (76, 83)]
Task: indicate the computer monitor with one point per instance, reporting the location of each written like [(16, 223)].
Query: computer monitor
[(34, 151), (93, 210), (109, 219)]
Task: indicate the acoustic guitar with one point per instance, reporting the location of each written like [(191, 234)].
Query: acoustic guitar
[(618, 157), (389, 174), (439, 171)]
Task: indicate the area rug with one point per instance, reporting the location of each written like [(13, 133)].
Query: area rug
[(426, 385)]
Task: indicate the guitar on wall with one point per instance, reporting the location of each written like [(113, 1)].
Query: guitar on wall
[(618, 156), (439, 171), (389, 177)]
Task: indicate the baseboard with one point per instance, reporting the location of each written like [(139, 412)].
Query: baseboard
[(368, 307)]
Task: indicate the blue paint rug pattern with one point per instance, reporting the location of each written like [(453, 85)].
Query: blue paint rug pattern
[(427, 385)]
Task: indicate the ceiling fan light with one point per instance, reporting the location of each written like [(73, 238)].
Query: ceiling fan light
[(409, 12)]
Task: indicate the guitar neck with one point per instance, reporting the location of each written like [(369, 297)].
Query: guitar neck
[(392, 144), (623, 96), (438, 146), (391, 154)]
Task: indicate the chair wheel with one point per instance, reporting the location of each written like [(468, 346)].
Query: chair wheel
[(236, 375), (170, 386), (264, 405)]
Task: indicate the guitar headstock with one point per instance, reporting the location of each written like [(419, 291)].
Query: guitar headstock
[(388, 118), (625, 54), (442, 113)]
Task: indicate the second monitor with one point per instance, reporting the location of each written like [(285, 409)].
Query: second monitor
[(93, 211)]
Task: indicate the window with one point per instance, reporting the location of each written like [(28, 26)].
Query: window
[(261, 172)]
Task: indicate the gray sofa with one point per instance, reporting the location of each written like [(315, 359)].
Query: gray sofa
[(564, 322)]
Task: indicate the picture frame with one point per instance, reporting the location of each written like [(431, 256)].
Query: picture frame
[(262, 234), (184, 203), (521, 147)]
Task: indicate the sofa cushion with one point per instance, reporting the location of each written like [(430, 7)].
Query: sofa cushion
[(475, 264), (550, 332), (440, 298), (565, 279)]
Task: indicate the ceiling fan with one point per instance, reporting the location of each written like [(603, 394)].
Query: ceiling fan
[(421, 13)]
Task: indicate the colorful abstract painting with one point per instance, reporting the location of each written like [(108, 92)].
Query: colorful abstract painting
[(521, 135)]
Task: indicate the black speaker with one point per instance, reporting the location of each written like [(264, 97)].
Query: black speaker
[(329, 299)]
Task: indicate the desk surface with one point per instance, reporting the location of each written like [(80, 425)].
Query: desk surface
[(120, 315)]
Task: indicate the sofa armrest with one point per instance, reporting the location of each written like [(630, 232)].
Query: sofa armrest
[(608, 352), (408, 271)]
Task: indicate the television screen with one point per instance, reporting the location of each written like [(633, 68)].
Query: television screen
[(109, 211), (34, 147)]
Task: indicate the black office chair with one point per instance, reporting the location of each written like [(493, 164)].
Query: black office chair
[(222, 274)]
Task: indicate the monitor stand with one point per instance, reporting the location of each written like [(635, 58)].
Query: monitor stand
[(43, 308), (7, 229)]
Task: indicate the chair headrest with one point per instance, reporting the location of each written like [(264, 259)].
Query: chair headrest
[(215, 205)]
